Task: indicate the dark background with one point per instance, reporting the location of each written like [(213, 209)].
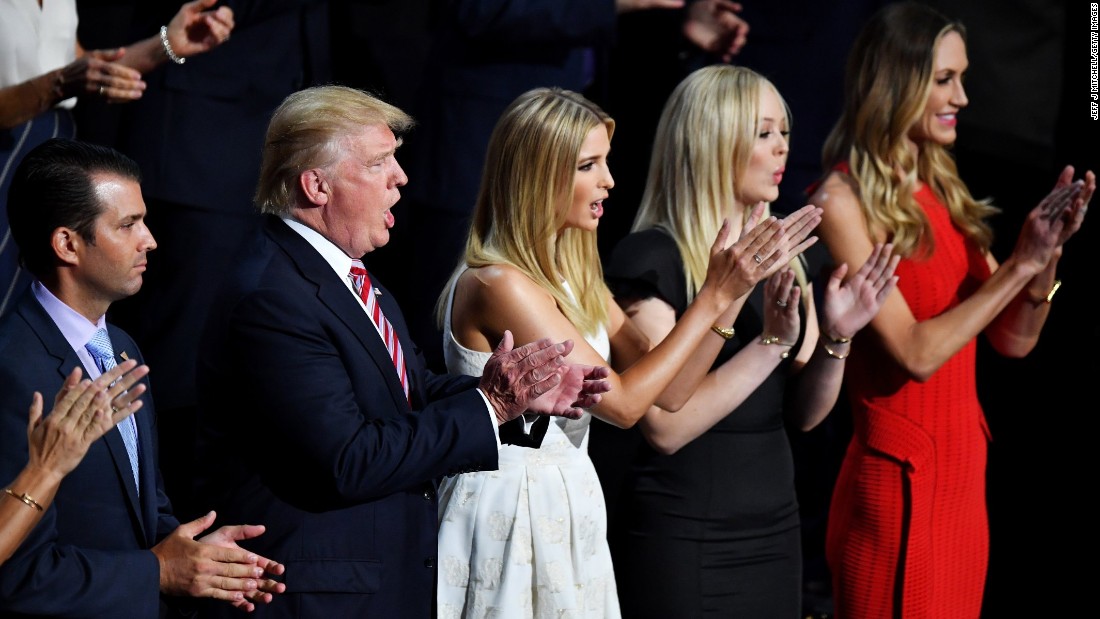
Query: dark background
[(1028, 116)]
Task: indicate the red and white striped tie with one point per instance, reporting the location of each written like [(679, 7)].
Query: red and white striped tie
[(363, 287)]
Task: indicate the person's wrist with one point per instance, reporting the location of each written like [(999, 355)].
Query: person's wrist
[(169, 48), (39, 475), (833, 336)]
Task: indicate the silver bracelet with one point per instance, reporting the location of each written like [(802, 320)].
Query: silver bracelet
[(168, 47)]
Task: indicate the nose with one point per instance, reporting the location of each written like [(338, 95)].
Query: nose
[(783, 146), (608, 180), (148, 242), (399, 177), (958, 95)]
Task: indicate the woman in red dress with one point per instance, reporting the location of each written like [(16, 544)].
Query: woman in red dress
[(908, 534)]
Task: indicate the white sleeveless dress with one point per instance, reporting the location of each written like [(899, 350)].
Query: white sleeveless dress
[(529, 539)]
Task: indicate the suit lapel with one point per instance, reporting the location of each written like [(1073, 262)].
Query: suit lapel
[(58, 347), (144, 502), (334, 294)]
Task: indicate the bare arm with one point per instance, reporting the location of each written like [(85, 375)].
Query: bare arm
[(920, 348), (848, 306), (115, 74), (492, 299), (791, 239), (719, 392), (1015, 331)]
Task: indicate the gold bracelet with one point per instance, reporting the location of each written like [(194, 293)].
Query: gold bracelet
[(768, 340), (1053, 289), (26, 498), (836, 340), (832, 353), (725, 332)]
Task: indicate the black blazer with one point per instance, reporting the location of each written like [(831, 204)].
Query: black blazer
[(304, 428)]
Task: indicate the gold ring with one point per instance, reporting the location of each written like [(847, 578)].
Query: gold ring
[(756, 258)]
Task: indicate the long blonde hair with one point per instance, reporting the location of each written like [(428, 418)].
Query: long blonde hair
[(526, 188), (701, 150), (888, 82)]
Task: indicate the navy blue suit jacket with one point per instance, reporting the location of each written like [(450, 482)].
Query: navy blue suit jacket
[(89, 556), (304, 428)]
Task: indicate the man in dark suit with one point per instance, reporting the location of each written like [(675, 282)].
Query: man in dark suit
[(317, 416), (109, 545)]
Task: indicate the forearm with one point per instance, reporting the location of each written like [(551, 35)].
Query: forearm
[(677, 394), (640, 386), (22, 102), (817, 386), (926, 345), (1015, 331), (18, 517), (145, 55), (721, 392)]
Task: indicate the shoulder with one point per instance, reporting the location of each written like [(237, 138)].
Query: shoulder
[(498, 283), (838, 196), (838, 187), (644, 242), (646, 264)]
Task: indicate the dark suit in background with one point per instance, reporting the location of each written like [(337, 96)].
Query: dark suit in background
[(89, 556), (197, 134)]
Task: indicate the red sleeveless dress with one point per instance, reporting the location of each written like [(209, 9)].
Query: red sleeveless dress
[(907, 532)]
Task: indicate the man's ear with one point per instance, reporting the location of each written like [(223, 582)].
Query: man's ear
[(315, 186), (66, 244)]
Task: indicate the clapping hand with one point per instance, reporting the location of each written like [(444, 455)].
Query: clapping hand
[(83, 411), (762, 249), (781, 297), (214, 566), (850, 305), (536, 377), (1054, 220)]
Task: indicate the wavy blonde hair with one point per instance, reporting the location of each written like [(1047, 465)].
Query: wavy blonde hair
[(526, 190), (888, 82), (701, 150)]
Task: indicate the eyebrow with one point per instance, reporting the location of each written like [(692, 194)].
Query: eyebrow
[(389, 153)]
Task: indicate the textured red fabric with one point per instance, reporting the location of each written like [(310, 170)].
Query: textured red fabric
[(908, 535)]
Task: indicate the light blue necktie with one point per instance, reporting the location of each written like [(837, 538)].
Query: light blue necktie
[(100, 348)]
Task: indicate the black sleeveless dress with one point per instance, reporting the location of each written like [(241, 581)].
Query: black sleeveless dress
[(712, 530)]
